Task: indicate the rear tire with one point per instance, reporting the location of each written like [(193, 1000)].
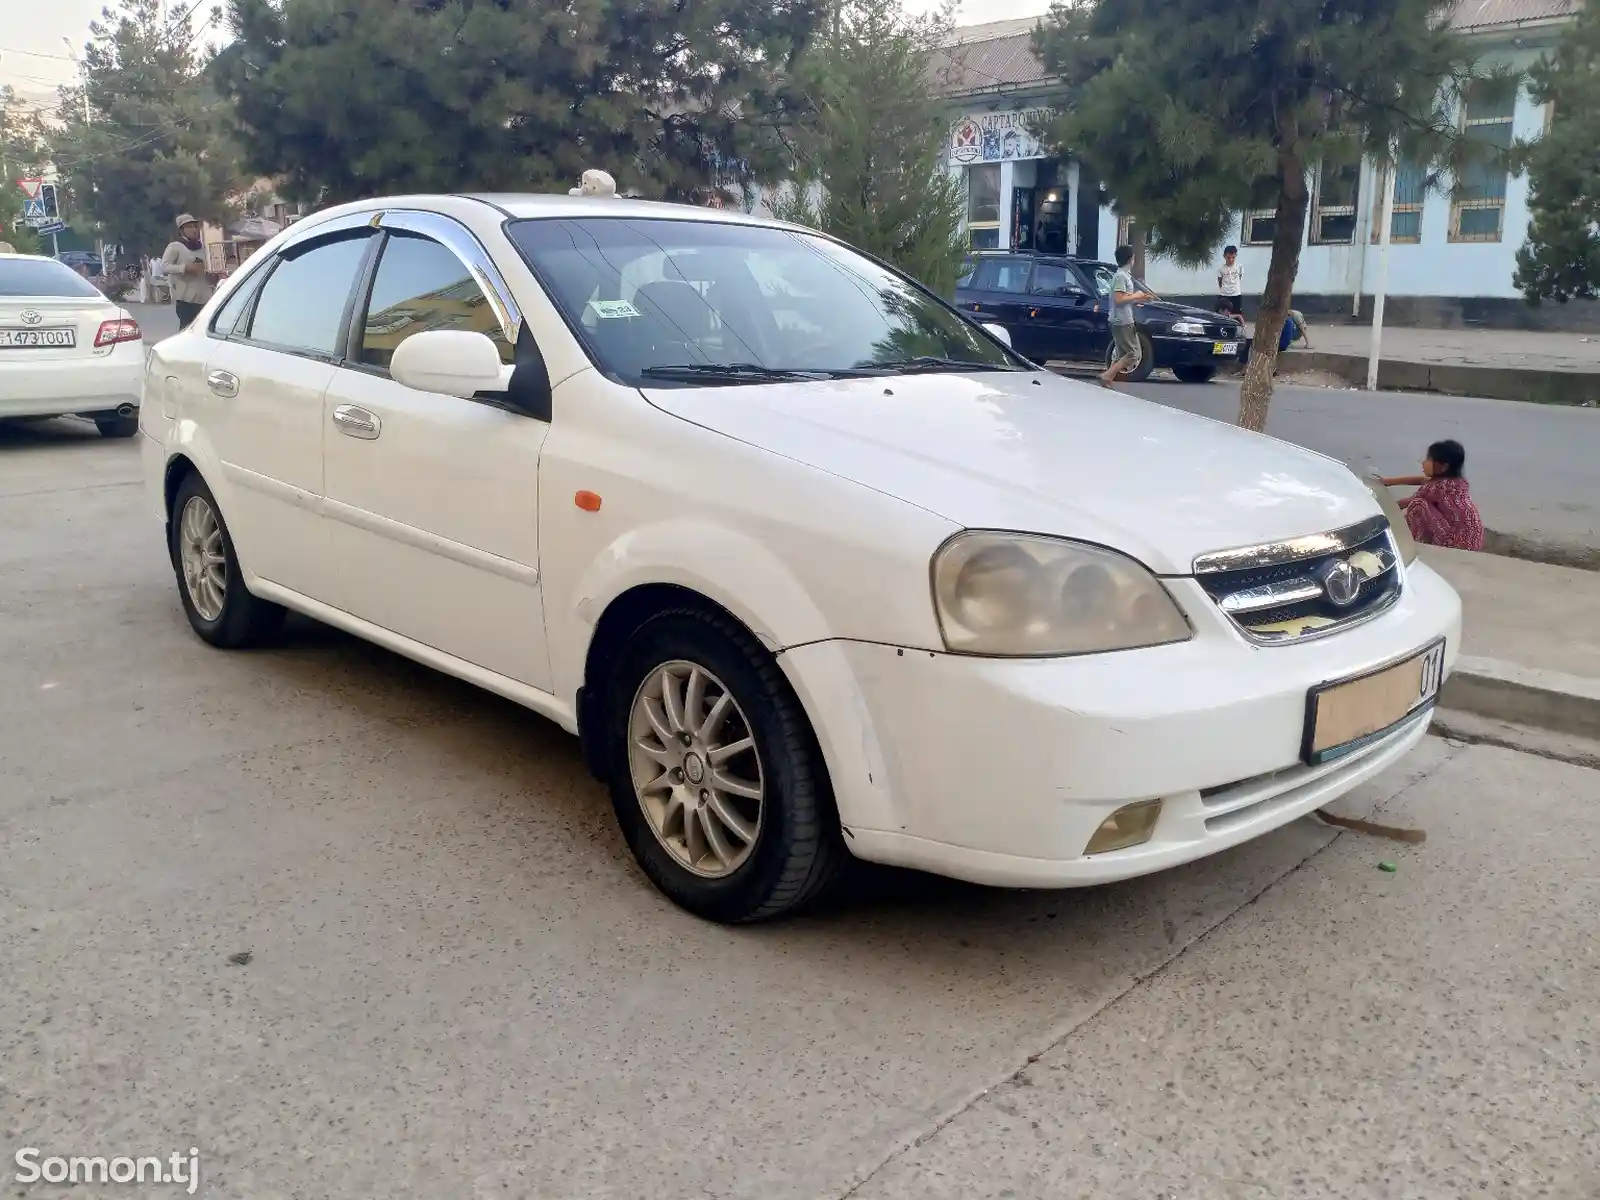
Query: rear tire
[(790, 848), (1195, 374), (210, 584), (117, 427)]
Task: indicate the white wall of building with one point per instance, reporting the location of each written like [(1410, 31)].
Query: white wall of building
[(1434, 266)]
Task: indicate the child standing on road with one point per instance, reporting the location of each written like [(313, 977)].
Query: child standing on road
[(1441, 512), (1230, 285), (1125, 295)]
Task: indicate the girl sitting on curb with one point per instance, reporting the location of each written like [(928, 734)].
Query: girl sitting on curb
[(1441, 512)]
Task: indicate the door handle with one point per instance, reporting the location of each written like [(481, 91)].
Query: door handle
[(223, 383), (357, 422)]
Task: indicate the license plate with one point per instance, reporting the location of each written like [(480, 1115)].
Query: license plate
[(38, 339), (1346, 715), (1224, 347)]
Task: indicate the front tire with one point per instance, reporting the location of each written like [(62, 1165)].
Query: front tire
[(1147, 360), (210, 584), (715, 774), (1194, 374), (117, 427)]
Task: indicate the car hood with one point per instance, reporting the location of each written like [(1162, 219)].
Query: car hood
[(1171, 309), (1035, 452)]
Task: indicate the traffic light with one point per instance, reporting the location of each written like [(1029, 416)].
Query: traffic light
[(47, 193)]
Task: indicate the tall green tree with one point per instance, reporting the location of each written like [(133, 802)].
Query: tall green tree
[(1193, 111), (348, 98), (870, 158), (153, 141), (1561, 258)]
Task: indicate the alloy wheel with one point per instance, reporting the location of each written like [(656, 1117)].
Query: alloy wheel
[(696, 770), (200, 552)]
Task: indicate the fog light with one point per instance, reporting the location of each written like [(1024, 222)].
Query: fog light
[(1128, 826)]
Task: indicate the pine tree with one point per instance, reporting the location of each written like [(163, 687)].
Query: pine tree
[(870, 159), (1193, 110), (342, 99), (154, 143), (1561, 258)]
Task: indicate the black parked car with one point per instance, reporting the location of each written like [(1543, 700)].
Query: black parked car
[(1060, 308)]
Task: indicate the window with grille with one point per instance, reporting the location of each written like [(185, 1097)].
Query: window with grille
[(1410, 188), (1333, 206), (1260, 227), (1477, 209)]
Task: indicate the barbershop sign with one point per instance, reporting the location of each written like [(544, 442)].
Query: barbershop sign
[(998, 136)]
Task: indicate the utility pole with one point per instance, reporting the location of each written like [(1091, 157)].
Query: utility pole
[(83, 73), (1375, 347)]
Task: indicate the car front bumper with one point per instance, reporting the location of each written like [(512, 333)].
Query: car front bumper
[(1198, 352), (1000, 771), (78, 385)]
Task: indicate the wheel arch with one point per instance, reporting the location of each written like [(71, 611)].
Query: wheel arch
[(624, 616), (179, 467)]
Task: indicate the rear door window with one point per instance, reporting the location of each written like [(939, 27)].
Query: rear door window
[(303, 301), (1002, 275)]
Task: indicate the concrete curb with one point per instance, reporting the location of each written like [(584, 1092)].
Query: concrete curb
[(1454, 379), (1524, 696)]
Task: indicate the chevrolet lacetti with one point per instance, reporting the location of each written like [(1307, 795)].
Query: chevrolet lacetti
[(813, 565)]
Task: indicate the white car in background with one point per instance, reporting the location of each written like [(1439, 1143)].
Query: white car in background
[(813, 566), (65, 348)]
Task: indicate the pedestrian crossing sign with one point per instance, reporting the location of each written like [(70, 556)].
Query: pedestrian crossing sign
[(34, 208)]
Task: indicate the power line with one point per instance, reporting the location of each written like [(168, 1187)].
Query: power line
[(34, 54), (171, 25)]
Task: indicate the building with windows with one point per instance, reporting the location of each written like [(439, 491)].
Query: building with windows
[(1453, 247)]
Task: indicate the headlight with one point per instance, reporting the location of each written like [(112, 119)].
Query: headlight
[(1404, 542), (1191, 327), (1021, 595)]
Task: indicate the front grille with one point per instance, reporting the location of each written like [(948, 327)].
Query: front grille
[(1290, 591)]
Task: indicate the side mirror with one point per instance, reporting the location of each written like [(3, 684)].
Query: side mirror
[(998, 332), (452, 362)]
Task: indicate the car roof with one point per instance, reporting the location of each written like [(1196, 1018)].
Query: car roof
[(531, 204), (521, 206), (1039, 255)]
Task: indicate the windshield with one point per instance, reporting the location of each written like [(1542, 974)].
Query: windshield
[(1100, 275), (41, 277), (687, 303)]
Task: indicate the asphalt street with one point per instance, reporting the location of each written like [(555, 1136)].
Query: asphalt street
[(1531, 466), (350, 928)]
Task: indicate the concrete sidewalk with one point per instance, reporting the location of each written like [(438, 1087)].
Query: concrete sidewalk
[(1501, 364), (1530, 652)]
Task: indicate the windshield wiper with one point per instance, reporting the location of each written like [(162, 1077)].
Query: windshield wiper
[(728, 373), (932, 362)]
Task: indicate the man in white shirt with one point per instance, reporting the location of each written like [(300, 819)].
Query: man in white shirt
[(1230, 285), (185, 263)]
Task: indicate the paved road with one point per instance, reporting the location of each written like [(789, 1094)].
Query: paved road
[(460, 986), (1532, 466)]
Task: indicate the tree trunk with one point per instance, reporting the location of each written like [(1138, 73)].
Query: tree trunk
[(1255, 393), (1136, 233)]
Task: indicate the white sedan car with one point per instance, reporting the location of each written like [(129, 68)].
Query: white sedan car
[(65, 348), (812, 565)]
